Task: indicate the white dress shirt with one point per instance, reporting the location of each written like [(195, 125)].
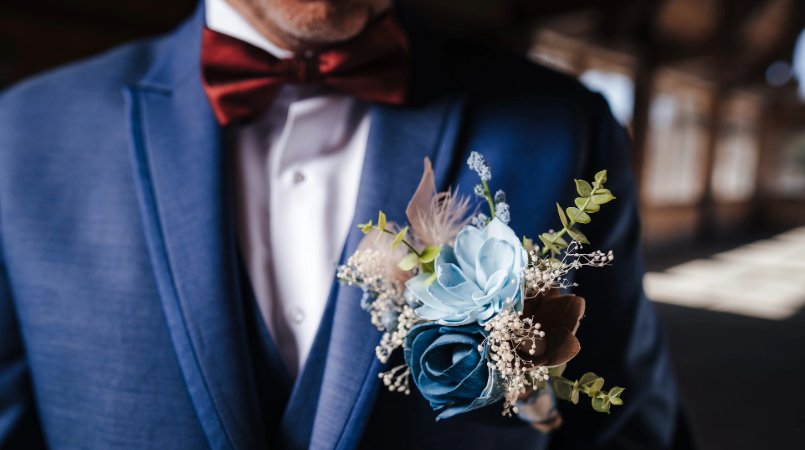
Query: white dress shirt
[(298, 168)]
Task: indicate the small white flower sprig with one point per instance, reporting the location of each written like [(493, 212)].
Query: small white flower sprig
[(546, 273), (365, 268), (497, 203), (382, 298), (508, 333), (389, 311)]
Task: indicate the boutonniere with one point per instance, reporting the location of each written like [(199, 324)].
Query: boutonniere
[(478, 311)]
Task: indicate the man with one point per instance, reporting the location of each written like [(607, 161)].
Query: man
[(170, 213)]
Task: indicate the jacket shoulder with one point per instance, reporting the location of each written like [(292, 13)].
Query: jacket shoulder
[(486, 69), (71, 113), (78, 89), (522, 111), (511, 92)]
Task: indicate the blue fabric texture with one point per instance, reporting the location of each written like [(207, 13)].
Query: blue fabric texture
[(121, 324), (449, 370)]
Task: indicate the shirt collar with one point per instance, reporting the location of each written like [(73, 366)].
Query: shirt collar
[(223, 18)]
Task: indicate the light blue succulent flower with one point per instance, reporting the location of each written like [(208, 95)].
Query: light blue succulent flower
[(474, 279)]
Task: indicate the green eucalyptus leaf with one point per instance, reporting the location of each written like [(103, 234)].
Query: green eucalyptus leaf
[(602, 196), (381, 221), (596, 387), (587, 205), (549, 245), (427, 268), (409, 261), (366, 227), (430, 253), (558, 242), (430, 279), (588, 379), (562, 216), (528, 244), (614, 395), (381, 225), (616, 392), (584, 189), (563, 391), (556, 372), (577, 235), (575, 397), (601, 177), (399, 238), (601, 404), (578, 215)]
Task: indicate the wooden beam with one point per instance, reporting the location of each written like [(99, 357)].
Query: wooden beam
[(547, 8), (706, 230), (643, 89)]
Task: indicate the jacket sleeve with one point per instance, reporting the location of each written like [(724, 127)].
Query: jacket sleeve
[(621, 336), (19, 425)]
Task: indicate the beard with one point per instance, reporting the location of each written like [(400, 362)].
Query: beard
[(320, 21)]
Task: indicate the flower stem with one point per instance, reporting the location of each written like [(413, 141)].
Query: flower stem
[(407, 244), (569, 225), (427, 267), (489, 199)]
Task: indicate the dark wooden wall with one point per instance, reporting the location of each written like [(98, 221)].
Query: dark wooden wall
[(36, 35)]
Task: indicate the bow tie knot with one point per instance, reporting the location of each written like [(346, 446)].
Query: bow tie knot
[(241, 80), (303, 70)]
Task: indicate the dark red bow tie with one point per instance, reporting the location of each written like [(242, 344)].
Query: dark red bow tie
[(241, 80)]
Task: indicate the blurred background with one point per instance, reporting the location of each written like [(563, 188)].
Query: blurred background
[(709, 91)]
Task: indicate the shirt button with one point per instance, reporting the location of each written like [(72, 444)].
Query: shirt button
[(298, 177), (297, 315)]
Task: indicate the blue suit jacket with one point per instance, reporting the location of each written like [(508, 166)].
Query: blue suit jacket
[(120, 319)]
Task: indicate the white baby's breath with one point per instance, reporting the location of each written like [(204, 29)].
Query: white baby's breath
[(509, 333), (546, 273)]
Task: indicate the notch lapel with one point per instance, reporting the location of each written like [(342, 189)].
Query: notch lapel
[(399, 140), (180, 175)]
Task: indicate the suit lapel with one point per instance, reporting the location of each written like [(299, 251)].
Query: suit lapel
[(176, 154), (399, 140)]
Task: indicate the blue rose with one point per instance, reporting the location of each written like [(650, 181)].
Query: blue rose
[(474, 279), (448, 369)]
